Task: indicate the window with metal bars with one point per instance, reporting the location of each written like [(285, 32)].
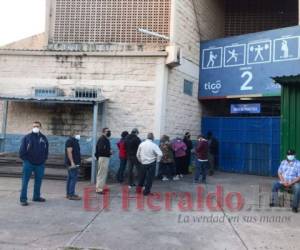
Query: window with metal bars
[(47, 92), (86, 93)]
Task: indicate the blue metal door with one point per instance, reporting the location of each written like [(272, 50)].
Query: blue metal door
[(248, 145)]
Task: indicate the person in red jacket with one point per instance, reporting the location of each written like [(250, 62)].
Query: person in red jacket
[(122, 156), (201, 159)]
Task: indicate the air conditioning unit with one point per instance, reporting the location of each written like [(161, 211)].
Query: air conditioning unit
[(174, 56)]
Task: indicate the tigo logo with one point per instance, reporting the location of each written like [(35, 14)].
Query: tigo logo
[(213, 87)]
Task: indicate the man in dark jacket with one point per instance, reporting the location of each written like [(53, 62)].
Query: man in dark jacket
[(103, 153), (213, 151), (34, 153), (189, 146), (201, 159), (132, 143), (72, 162)]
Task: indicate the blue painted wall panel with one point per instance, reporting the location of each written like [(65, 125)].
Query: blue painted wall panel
[(246, 145), (57, 146)]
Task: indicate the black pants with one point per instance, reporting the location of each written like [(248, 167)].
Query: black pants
[(180, 163), (167, 169), (120, 174), (187, 163), (132, 162), (147, 174)]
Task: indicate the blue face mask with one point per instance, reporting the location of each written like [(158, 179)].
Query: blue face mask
[(290, 157)]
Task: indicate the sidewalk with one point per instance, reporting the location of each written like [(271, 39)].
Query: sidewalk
[(64, 224)]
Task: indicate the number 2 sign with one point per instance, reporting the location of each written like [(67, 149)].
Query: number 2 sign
[(245, 65)]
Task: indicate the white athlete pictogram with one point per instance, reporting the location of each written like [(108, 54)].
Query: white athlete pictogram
[(285, 49), (234, 56), (212, 59), (258, 50)]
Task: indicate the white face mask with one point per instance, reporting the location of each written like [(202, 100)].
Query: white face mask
[(35, 130), (291, 157), (77, 137)]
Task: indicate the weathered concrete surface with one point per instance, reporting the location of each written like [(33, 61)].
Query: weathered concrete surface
[(63, 224)]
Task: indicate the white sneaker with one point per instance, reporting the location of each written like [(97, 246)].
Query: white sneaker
[(165, 179), (176, 178), (131, 186), (181, 176)]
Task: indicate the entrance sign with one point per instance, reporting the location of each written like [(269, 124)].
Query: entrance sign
[(249, 108), (244, 65)]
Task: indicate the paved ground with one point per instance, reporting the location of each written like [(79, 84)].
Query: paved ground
[(64, 224)]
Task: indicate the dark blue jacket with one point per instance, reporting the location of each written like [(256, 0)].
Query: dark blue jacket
[(34, 148)]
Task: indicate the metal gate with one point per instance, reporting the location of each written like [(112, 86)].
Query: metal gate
[(248, 145)]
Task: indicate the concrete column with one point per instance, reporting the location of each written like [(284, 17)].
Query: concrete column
[(173, 21), (162, 73), (94, 142), (50, 17)]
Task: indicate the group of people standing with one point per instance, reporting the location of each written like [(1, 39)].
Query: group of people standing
[(133, 154), (173, 164), (140, 158), (173, 156), (176, 157), (34, 152)]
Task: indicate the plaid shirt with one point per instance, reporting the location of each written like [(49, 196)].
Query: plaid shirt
[(289, 171)]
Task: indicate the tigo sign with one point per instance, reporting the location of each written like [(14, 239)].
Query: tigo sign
[(244, 65)]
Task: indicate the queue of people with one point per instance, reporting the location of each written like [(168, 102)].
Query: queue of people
[(173, 157), (175, 160)]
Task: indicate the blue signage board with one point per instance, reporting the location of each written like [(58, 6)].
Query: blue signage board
[(251, 108), (244, 65)]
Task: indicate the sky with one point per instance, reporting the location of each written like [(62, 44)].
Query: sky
[(20, 19)]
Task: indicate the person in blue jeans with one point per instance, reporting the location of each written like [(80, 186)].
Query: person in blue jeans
[(34, 153), (122, 157), (289, 178), (202, 164), (72, 162)]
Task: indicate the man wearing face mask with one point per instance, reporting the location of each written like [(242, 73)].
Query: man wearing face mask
[(189, 146), (201, 151), (34, 153), (103, 153), (289, 177), (132, 143), (72, 162)]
